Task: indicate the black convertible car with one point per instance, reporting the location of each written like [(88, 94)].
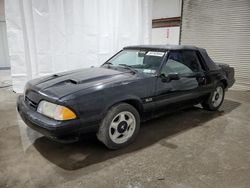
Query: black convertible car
[(137, 83)]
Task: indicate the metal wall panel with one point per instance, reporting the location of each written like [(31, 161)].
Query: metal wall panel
[(223, 28)]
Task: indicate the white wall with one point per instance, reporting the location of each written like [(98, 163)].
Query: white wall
[(2, 18), (166, 8), (4, 55), (46, 37), (166, 35)]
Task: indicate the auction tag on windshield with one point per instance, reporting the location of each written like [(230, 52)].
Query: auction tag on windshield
[(152, 53), (150, 71)]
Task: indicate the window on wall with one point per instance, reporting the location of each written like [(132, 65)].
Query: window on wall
[(182, 62)]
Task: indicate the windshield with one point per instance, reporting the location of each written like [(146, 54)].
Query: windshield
[(139, 60)]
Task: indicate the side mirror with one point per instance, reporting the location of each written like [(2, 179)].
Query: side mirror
[(163, 77), (169, 77), (173, 76)]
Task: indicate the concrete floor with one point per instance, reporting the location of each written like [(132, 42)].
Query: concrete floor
[(191, 148)]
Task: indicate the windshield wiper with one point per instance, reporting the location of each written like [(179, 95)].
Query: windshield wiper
[(108, 64), (128, 67)]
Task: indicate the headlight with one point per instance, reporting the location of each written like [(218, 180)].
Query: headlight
[(55, 111)]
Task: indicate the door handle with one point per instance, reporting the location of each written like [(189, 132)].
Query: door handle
[(201, 80)]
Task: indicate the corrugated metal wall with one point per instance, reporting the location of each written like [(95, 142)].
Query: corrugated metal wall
[(223, 28)]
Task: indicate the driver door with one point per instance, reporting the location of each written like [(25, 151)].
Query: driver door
[(184, 86)]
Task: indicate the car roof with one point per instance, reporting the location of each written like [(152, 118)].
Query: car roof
[(163, 47)]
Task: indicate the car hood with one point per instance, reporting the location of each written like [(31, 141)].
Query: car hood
[(60, 85)]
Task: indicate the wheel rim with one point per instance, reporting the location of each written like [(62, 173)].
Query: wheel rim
[(217, 96), (122, 127)]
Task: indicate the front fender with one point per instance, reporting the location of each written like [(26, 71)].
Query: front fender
[(130, 99)]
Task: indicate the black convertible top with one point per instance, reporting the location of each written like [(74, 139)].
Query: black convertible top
[(164, 47), (209, 62)]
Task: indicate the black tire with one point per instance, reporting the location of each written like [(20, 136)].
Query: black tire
[(208, 103), (103, 133)]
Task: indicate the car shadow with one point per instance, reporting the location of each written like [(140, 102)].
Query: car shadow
[(90, 151)]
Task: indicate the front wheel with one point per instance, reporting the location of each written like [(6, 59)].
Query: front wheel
[(120, 126), (215, 99)]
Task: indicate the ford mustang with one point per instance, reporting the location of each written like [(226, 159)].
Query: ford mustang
[(136, 84)]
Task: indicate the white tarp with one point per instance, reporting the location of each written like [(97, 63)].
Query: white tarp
[(47, 36)]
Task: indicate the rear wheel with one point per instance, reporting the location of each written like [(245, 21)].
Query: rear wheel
[(215, 99), (120, 126)]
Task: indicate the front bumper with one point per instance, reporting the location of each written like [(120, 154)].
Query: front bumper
[(47, 126)]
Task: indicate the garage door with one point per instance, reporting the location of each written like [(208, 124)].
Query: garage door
[(223, 28)]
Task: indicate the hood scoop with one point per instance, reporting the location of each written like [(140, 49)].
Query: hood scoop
[(72, 81), (55, 75), (75, 81)]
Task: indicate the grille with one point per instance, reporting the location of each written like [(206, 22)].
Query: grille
[(32, 104)]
